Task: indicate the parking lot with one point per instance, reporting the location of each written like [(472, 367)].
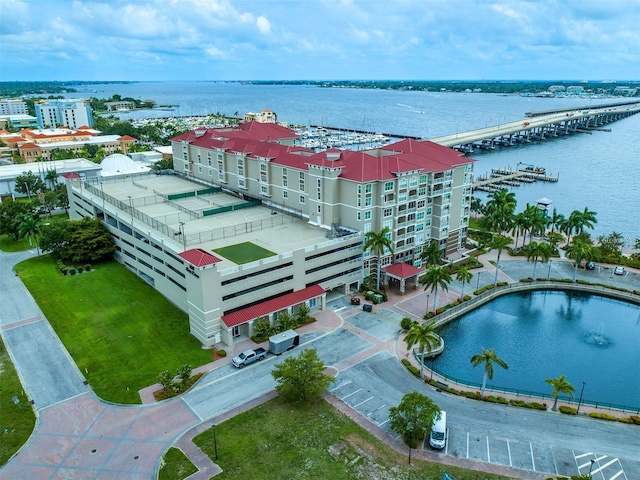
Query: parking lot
[(372, 386)]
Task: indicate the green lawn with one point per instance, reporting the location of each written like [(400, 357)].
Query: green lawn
[(8, 244), (176, 466), (244, 252), (16, 420), (278, 440), (118, 329)]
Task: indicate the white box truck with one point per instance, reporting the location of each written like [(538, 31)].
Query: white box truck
[(438, 436)]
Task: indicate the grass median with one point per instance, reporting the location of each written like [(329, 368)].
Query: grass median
[(120, 331)]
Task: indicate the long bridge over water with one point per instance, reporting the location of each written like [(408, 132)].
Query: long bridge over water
[(540, 125)]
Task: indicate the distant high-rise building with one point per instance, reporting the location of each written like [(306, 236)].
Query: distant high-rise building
[(11, 106), (72, 113)]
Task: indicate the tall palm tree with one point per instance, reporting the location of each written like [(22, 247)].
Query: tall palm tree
[(378, 243), (51, 176), (29, 226), (499, 242), (436, 277), (431, 254), (580, 248), (560, 385), (535, 251), (556, 220), (464, 275), (426, 337), (488, 358), (499, 210), (518, 226), (588, 219)]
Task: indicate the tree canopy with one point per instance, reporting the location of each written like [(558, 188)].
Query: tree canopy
[(415, 413), (301, 378), (83, 241)]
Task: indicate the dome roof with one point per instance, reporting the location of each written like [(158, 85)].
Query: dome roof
[(119, 164)]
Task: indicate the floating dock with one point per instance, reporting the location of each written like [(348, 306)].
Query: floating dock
[(507, 177)]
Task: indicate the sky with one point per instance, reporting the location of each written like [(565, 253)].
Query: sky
[(181, 40)]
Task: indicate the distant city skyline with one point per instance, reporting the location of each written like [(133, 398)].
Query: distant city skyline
[(172, 40)]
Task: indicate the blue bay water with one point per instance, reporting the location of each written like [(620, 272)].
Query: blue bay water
[(546, 334), (600, 170)]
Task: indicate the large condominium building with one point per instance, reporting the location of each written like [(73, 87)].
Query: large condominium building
[(420, 190), (11, 106), (301, 216), (71, 113)]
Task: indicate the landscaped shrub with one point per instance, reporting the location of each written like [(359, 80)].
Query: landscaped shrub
[(538, 406), (261, 327), (467, 298), (603, 416), (502, 400), (406, 323), (222, 353), (567, 410), (625, 420), (473, 395), (72, 271), (517, 403), (635, 419), (490, 398), (87, 267), (79, 268)]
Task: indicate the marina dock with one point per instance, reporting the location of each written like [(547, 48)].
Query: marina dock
[(507, 177)]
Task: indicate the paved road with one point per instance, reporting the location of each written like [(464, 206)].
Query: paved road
[(80, 436)]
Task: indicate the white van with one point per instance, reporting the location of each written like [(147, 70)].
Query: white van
[(438, 437)]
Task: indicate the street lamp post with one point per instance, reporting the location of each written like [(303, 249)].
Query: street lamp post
[(215, 441), (184, 239), (549, 271), (580, 400), (478, 282), (592, 462), (410, 441), (428, 295)]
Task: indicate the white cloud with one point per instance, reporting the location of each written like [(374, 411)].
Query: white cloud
[(263, 24)]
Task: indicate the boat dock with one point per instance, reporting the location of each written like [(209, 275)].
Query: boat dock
[(508, 177)]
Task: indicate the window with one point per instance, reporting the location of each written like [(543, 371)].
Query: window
[(302, 176), (388, 186), (240, 162), (367, 215), (387, 212), (429, 210), (420, 216), (264, 189), (219, 157), (284, 171), (210, 173), (302, 199), (367, 202), (301, 188), (367, 227), (368, 188), (419, 227), (402, 183), (199, 169), (319, 195), (263, 167), (422, 191), (388, 224), (285, 183), (319, 208), (423, 179), (402, 197), (220, 166), (319, 183), (285, 194), (358, 216)]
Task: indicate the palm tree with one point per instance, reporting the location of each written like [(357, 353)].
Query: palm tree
[(556, 220), (636, 245), (488, 357), (499, 210), (378, 242), (29, 226), (431, 254), (560, 385), (51, 176), (436, 277), (426, 337), (464, 275), (588, 219), (518, 226), (535, 251), (580, 248), (499, 242)]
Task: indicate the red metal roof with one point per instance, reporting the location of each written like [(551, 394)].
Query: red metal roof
[(270, 306), (402, 270), (71, 175), (199, 257)]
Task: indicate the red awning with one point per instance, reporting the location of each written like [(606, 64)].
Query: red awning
[(271, 306), (402, 270)]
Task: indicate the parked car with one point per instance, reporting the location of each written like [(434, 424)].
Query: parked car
[(618, 270), (249, 356), (590, 266)]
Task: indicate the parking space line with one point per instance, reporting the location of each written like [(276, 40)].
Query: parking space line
[(602, 458), (602, 467), (488, 452), (374, 411), (533, 460), (584, 465), (340, 386), (467, 444), (364, 401), (380, 424), (620, 472), (588, 454), (509, 451), (352, 393)]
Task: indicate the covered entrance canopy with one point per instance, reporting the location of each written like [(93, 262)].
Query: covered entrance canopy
[(402, 272), (272, 306)]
